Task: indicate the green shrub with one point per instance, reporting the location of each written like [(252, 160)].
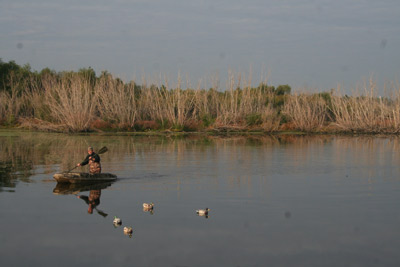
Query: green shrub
[(164, 124), (146, 125), (207, 120), (253, 119), (192, 126), (283, 90)]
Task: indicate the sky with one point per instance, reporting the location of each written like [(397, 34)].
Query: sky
[(310, 44)]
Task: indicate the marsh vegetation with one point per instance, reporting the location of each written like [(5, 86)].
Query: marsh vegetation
[(81, 101)]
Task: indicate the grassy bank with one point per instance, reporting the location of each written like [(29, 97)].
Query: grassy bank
[(82, 102)]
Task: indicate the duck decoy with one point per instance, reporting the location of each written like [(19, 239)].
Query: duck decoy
[(117, 221), (203, 212), (148, 206), (128, 231)]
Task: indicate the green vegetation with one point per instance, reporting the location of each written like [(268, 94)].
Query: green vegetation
[(82, 101)]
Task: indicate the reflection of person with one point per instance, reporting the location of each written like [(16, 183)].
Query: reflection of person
[(94, 162), (93, 200)]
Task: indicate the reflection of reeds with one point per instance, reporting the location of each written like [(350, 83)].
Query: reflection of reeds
[(66, 151), (237, 155), (31, 149)]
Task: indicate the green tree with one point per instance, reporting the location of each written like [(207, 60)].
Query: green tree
[(5, 70), (88, 74), (283, 90)]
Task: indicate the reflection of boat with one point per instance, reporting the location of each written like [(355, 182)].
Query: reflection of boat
[(83, 177), (68, 188), (93, 200)]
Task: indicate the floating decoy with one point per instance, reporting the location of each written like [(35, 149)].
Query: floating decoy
[(148, 206), (203, 212), (128, 230), (151, 211), (117, 221)]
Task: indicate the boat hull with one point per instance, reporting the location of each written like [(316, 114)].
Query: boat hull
[(82, 177)]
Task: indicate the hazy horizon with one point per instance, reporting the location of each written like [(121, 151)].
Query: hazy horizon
[(313, 44)]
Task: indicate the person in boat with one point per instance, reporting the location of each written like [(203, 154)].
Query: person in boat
[(93, 160)]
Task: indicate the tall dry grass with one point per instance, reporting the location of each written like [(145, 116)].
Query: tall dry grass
[(366, 111), (4, 110), (307, 112), (72, 103), (12, 103), (116, 101), (65, 104), (170, 107), (244, 107)]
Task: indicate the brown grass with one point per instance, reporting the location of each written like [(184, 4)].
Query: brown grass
[(70, 102), (74, 103), (366, 112), (116, 101), (11, 103), (307, 112)]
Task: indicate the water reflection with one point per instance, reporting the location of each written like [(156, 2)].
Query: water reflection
[(7, 177), (92, 200), (149, 210), (313, 199), (73, 189), (22, 153), (203, 215), (12, 170)]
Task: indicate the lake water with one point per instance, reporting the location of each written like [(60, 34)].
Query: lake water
[(275, 201)]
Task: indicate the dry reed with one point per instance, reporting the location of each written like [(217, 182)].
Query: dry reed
[(11, 102), (171, 107), (307, 112), (116, 101), (366, 112), (73, 103)]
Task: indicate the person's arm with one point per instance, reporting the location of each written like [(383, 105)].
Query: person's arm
[(85, 161), (84, 198)]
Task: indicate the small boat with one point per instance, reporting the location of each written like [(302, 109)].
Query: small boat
[(83, 177)]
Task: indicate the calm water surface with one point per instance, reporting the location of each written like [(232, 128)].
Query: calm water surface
[(287, 201)]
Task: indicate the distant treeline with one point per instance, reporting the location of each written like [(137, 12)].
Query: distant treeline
[(82, 101)]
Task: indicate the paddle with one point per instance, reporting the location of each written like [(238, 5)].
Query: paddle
[(102, 213), (102, 150)]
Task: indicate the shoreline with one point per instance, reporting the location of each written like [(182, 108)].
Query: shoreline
[(211, 133)]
